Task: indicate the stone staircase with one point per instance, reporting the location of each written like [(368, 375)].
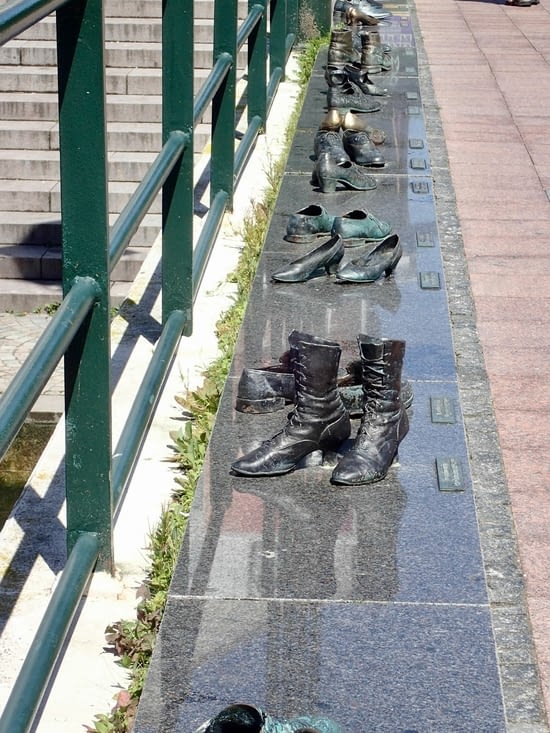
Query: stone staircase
[(30, 251)]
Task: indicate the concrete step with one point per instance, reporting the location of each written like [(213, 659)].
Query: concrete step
[(152, 8), (28, 134), (19, 106), (120, 55), (44, 196), (34, 262), (132, 30), (26, 196), (138, 8), (21, 228), (28, 296), (119, 107), (25, 135), (43, 53), (43, 80), (44, 165)]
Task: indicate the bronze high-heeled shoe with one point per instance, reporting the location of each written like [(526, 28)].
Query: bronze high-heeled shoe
[(326, 257), (382, 260), (328, 173)]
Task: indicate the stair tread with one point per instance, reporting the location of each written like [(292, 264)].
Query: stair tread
[(41, 216), (29, 77)]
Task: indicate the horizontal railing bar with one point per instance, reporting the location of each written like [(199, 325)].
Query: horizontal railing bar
[(206, 239), (132, 215), (16, 17), (40, 661), (246, 144), (33, 375), (211, 85), (249, 23), (137, 423)]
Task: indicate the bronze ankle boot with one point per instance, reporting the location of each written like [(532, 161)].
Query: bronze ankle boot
[(341, 50), (384, 423), (318, 422)]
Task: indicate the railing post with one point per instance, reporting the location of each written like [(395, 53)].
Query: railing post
[(257, 67), (177, 194), (223, 104), (85, 237), (277, 37), (293, 17)]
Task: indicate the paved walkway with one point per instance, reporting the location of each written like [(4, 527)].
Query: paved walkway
[(490, 68)]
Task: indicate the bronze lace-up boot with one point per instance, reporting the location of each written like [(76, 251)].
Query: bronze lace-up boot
[(384, 423), (319, 420)]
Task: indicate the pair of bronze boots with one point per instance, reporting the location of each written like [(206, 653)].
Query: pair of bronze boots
[(372, 58), (320, 422)]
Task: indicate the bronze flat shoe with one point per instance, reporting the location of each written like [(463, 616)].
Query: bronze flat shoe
[(329, 141), (357, 16), (355, 122), (361, 149), (349, 98), (309, 224)]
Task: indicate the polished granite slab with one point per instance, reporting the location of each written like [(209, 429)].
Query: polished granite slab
[(369, 667), (368, 605)]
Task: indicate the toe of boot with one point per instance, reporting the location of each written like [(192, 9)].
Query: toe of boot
[(356, 468)]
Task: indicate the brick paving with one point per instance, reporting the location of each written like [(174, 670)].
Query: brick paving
[(490, 69)]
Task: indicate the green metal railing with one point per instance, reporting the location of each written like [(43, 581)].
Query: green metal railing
[(79, 332)]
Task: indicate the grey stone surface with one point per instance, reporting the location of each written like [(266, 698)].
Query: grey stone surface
[(383, 607), (369, 667)]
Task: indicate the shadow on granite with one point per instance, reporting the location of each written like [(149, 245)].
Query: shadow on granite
[(369, 667)]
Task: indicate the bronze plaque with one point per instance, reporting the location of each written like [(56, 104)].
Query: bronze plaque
[(449, 474), (443, 410), (430, 281)]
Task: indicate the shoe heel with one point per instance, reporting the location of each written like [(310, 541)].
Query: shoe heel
[(331, 268), (393, 264), (327, 185)]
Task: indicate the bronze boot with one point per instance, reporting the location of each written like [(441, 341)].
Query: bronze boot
[(384, 423), (318, 422), (341, 50)]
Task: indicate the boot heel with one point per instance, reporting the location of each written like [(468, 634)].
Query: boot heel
[(327, 185), (388, 271)]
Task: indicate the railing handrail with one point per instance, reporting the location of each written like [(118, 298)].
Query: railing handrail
[(16, 17), (82, 323)]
